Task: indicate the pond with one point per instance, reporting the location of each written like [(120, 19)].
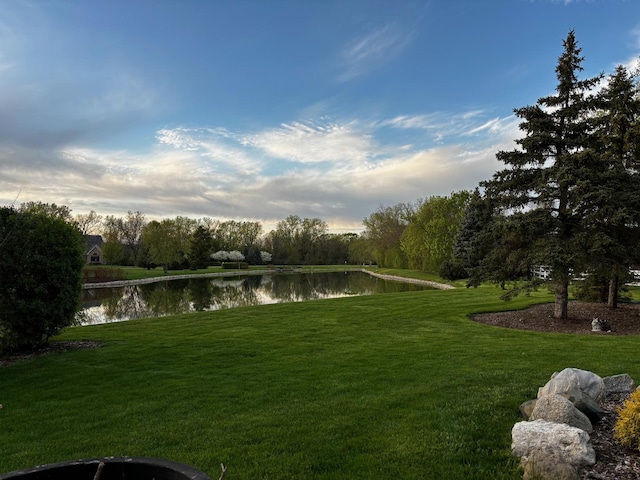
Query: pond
[(169, 297)]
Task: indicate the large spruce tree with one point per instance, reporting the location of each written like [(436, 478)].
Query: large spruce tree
[(541, 192), (613, 218)]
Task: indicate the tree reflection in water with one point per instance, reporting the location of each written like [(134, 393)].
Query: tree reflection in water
[(203, 294)]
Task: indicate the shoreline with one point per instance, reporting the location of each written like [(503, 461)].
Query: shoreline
[(395, 278), (238, 273)]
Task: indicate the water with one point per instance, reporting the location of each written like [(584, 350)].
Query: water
[(104, 305)]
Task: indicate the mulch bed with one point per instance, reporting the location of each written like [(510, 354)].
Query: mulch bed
[(613, 461), (624, 320)]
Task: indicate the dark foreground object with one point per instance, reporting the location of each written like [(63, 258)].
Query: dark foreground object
[(115, 468)]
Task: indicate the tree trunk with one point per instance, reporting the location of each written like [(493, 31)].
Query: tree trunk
[(562, 299), (612, 301)]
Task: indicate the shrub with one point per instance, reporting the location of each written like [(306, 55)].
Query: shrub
[(235, 265), (452, 270), (627, 427), (41, 277), (102, 274)]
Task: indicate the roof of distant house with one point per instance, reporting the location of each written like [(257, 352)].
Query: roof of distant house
[(94, 241)]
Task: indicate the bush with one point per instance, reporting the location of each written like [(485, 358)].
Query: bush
[(234, 265), (451, 270), (627, 427), (41, 277), (102, 274)]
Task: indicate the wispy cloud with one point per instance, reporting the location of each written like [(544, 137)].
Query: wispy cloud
[(450, 128), (494, 125), (314, 142), (218, 149), (424, 122), (371, 51)]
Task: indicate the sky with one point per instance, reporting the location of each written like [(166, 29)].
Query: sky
[(260, 109)]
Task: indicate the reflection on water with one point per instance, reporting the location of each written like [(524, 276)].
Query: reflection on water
[(103, 305)]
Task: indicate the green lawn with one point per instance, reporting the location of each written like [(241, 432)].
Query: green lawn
[(398, 386)]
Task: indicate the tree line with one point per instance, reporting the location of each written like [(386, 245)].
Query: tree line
[(416, 235), (183, 242)]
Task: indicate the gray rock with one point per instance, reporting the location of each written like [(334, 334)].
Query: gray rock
[(585, 404), (574, 378), (526, 408), (539, 438), (622, 383), (547, 467), (555, 408)]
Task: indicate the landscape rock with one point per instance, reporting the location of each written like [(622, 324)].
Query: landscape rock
[(619, 383), (556, 408), (585, 404), (574, 378), (526, 409), (548, 467), (539, 438)]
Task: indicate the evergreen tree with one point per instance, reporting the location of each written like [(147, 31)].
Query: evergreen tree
[(472, 242), (542, 189), (201, 246), (614, 213), (41, 263)]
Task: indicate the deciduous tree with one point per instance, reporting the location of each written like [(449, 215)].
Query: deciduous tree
[(428, 239), (383, 231), (88, 223), (129, 231), (49, 209)]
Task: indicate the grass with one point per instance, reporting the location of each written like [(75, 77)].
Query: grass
[(398, 385)]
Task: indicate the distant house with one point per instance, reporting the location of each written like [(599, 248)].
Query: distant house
[(93, 251)]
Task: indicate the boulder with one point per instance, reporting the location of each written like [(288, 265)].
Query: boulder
[(619, 384), (574, 378), (585, 404), (526, 408), (555, 408), (539, 438), (547, 467)]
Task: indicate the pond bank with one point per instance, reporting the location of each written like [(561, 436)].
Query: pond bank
[(141, 281), (236, 273), (395, 278)]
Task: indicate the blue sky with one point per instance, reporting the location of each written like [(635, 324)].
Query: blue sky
[(260, 109)]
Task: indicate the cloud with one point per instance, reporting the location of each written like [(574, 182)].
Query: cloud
[(218, 149), (451, 128), (314, 143), (369, 52), (495, 125), (425, 122), (339, 171)]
